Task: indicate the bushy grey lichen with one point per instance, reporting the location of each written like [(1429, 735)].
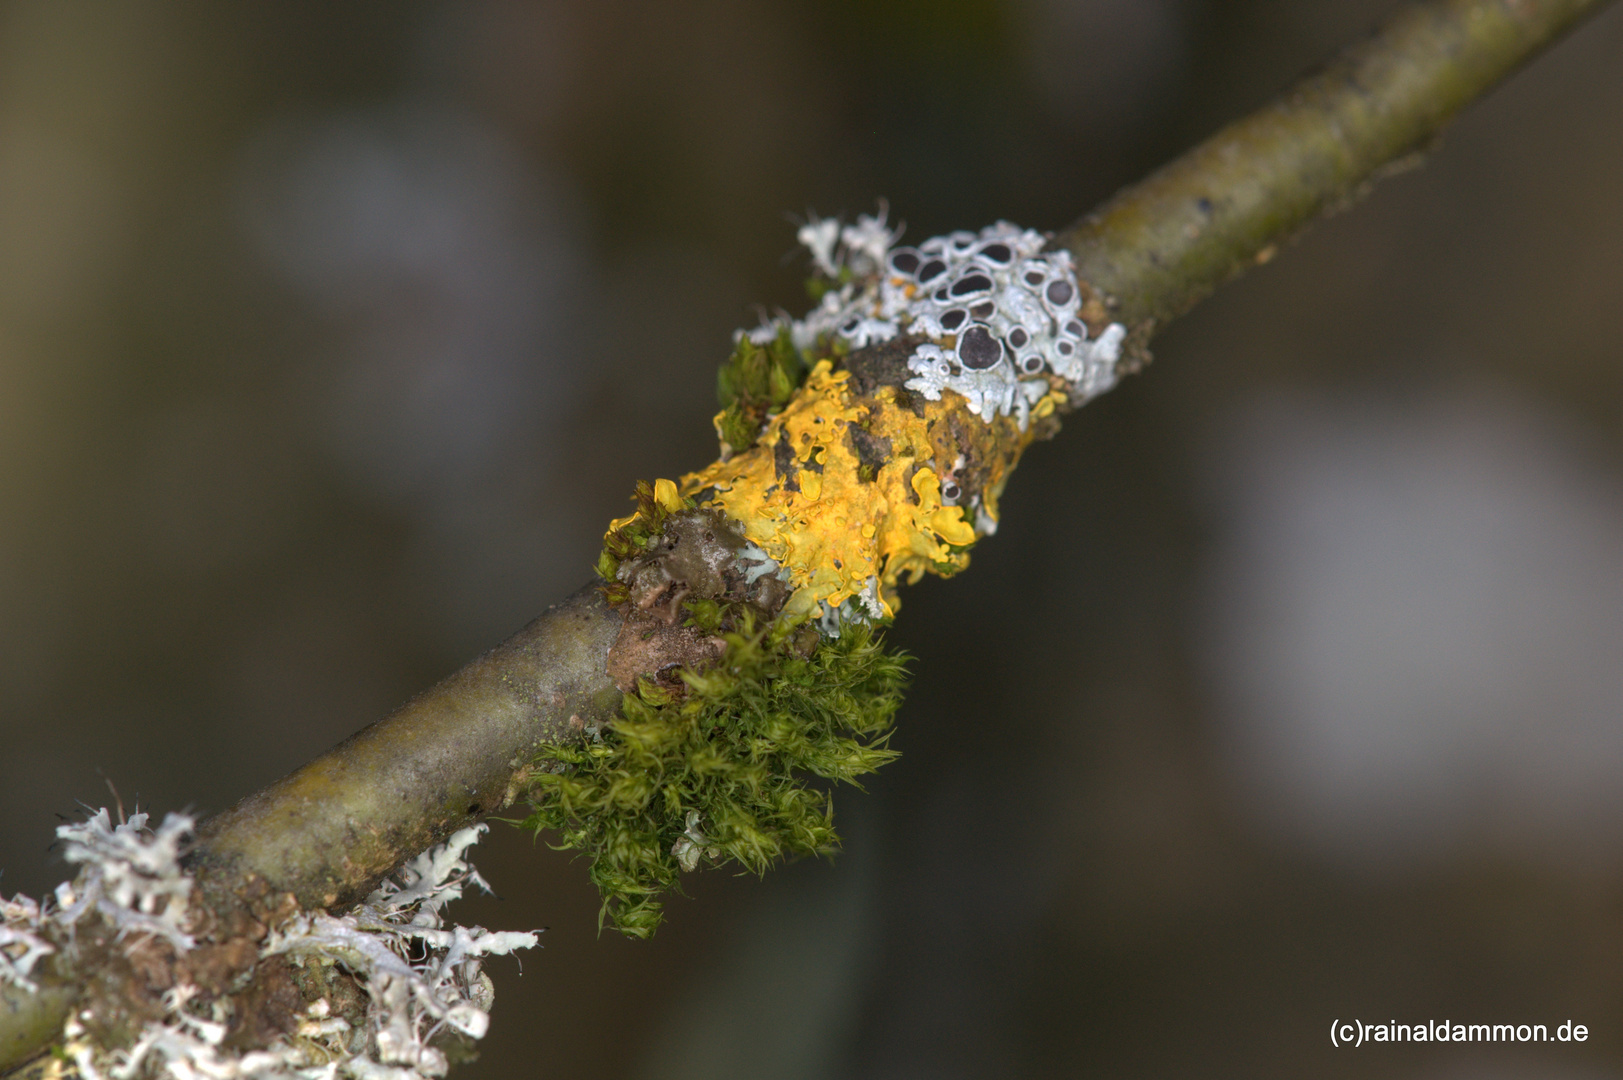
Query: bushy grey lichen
[(420, 976)]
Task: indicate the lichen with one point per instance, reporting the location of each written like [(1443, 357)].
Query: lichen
[(846, 519), (932, 368), (754, 590), (996, 317), (416, 983), (22, 941)]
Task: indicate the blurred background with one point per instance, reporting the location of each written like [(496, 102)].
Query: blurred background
[(1291, 688)]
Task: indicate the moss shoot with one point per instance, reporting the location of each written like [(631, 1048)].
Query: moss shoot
[(756, 381), (728, 771)]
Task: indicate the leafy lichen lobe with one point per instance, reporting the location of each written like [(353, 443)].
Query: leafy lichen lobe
[(856, 493)]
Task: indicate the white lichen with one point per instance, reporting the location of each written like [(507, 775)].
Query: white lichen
[(21, 942), (858, 250), (859, 607), (819, 236), (999, 312), (757, 564), (131, 875), (693, 844), (421, 975)]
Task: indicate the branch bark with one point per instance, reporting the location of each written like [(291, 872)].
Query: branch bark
[(461, 750), (1159, 246), (458, 752), (330, 831)]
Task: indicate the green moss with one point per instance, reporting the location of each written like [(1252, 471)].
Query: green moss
[(724, 773), (756, 381), (706, 613)]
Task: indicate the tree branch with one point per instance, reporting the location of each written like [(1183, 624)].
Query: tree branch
[(331, 830), (463, 749), (1159, 246), (458, 752)]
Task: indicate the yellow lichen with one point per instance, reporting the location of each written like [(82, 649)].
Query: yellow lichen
[(841, 488)]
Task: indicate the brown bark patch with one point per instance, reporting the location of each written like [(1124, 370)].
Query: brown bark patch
[(270, 1006), (783, 462), (695, 557), (649, 646), (884, 364), (872, 451)]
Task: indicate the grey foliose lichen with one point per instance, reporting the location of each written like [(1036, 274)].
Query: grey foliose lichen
[(420, 975), (997, 313)]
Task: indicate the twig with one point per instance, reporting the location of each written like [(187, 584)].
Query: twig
[(462, 750), (1158, 247)]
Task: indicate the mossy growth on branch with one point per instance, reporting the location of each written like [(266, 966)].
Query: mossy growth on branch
[(754, 382), (631, 535), (727, 772)]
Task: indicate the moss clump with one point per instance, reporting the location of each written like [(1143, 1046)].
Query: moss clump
[(723, 773), (756, 381)]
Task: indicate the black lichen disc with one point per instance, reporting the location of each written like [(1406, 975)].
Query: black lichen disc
[(978, 349), (972, 284)]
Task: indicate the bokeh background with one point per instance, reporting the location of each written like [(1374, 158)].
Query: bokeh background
[(1290, 689)]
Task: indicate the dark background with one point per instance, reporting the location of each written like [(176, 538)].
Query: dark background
[(1291, 689)]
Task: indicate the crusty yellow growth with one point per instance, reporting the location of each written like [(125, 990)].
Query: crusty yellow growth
[(856, 493)]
